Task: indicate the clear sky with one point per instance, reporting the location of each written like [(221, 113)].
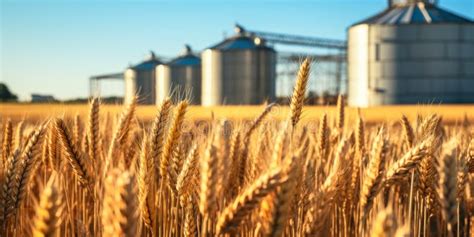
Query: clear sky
[(53, 46)]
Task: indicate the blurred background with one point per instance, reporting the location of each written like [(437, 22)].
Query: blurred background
[(375, 52)]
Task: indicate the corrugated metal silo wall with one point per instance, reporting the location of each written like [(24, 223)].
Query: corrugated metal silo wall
[(180, 81), (130, 85), (242, 76), (267, 74), (140, 83), (187, 80), (409, 64), (239, 77), (357, 68), (212, 73), (145, 84), (163, 83)]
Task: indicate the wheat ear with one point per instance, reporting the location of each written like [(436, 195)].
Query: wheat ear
[(93, 130), (49, 210), (52, 147), (6, 205), (7, 140), (28, 159), (19, 134), (323, 136), (448, 185), (208, 175), (75, 158), (76, 130), (410, 160), (360, 136), (158, 134), (373, 177), (234, 155), (281, 199), (245, 203), (169, 160), (184, 182), (120, 133), (246, 143), (297, 99), (385, 224), (120, 205), (190, 228), (408, 131), (470, 159), (144, 184), (257, 122), (340, 113)]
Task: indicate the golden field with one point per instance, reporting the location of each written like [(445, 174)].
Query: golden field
[(451, 114)]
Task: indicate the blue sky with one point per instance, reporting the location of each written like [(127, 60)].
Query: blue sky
[(52, 47)]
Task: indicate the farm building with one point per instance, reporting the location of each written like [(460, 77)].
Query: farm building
[(182, 76), (140, 80), (239, 70), (412, 52)]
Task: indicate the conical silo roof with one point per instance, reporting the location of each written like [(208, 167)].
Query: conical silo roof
[(148, 64), (187, 58), (415, 12), (242, 40)]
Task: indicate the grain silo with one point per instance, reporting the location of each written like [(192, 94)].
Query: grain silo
[(412, 52), (182, 76), (140, 80), (239, 70)]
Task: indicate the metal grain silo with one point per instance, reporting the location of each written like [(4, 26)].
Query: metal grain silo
[(140, 80), (181, 75), (239, 70), (412, 52)]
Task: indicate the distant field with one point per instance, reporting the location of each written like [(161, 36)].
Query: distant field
[(450, 113)]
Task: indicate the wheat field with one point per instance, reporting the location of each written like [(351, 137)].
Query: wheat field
[(284, 171), (452, 114)]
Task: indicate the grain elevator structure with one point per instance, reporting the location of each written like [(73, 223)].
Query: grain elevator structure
[(181, 76), (239, 70), (140, 81), (412, 52)]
